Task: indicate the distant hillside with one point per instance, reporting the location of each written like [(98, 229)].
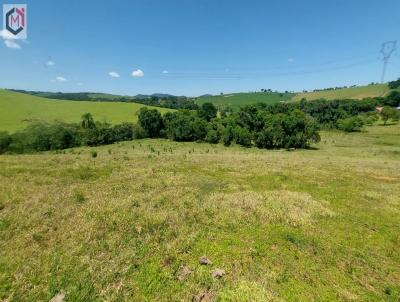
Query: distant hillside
[(94, 96), (18, 109), (240, 99), (358, 92)]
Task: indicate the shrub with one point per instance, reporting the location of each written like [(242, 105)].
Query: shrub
[(228, 135), (123, 132), (243, 136), (5, 141), (351, 124), (138, 132), (389, 113), (212, 136)]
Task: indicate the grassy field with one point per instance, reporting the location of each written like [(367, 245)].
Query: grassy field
[(18, 109), (240, 99), (346, 93), (131, 224)]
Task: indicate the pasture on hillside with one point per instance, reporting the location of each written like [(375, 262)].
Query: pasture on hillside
[(132, 223), (18, 109), (235, 100), (359, 92)]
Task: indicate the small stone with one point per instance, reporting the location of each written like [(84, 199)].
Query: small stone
[(204, 261), (58, 298), (184, 272), (218, 273)]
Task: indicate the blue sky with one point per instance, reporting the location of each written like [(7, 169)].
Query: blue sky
[(193, 47)]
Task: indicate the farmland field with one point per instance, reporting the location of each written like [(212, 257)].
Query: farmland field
[(131, 224), (18, 109)]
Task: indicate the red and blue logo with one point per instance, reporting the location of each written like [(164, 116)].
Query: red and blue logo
[(14, 20)]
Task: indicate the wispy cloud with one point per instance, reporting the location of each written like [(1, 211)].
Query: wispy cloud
[(290, 60), (12, 44), (6, 35), (9, 39), (79, 84), (113, 74), (165, 71), (137, 73), (61, 79), (50, 63)]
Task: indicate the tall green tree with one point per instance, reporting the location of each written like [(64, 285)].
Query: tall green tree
[(151, 121), (207, 111)]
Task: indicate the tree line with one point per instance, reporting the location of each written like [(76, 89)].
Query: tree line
[(280, 125)]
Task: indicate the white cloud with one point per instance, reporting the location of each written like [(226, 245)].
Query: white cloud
[(50, 63), (79, 84), (12, 44), (165, 71), (113, 74), (290, 60), (8, 39), (6, 35), (61, 79), (137, 73)]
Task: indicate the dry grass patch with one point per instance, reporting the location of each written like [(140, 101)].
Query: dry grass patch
[(282, 206)]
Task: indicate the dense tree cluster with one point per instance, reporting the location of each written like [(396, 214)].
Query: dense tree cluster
[(394, 84), (40, 136), (251, 125)]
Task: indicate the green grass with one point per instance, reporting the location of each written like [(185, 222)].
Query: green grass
[(235, 100), (240, 99), (346, 93), (18, 109), (308, 225)]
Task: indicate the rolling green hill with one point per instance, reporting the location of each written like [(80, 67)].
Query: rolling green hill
[(240, 99), (346, 93), (18, 109)]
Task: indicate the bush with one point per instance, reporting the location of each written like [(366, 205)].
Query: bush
[(101, 134), (389, 113), (138, 132), (351, 124), (123, 132), (93, 153), (243, 136), (5, 141), (228, 135), (212, 136)]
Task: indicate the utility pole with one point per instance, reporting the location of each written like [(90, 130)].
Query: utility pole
[(388, 48)]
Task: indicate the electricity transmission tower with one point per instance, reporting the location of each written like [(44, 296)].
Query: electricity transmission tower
[(388, 48)]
